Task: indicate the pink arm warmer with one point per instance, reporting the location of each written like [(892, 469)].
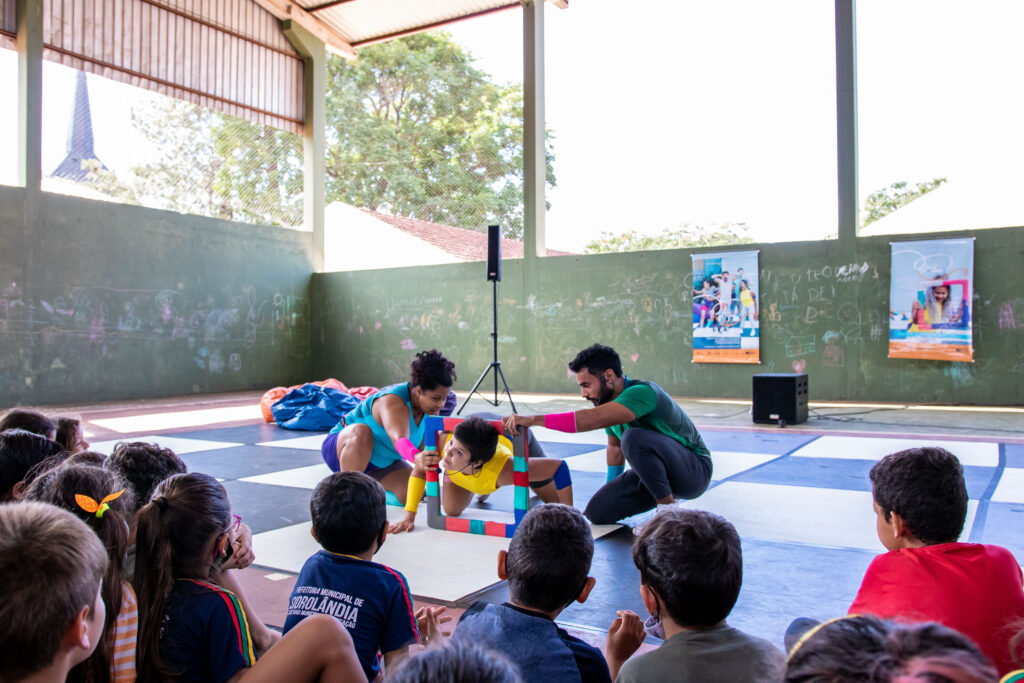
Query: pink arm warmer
[(406, 449), (561, 422)]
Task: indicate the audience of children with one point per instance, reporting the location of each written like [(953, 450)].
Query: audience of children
[(542, 583), (478, 460), (958, 608), (371, 600), (691, 568)]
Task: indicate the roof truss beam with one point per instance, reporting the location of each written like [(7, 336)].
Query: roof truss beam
[(285, 10)]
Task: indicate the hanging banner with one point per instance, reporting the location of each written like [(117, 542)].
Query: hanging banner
[(726, 308), (930, 300)]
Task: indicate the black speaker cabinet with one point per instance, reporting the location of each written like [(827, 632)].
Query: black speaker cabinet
[(780, 398), (494, 253)]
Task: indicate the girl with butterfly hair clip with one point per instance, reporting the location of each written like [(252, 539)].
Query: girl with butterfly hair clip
[(193, 629), (99, 498)]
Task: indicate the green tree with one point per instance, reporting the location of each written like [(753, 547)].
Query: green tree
[(686, 236), (414, 129), (883, 202)]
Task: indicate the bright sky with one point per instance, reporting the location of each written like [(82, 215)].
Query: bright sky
[(714, 111)]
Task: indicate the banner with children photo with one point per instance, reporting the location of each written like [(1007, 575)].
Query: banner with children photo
[(725, 308), (930, 300)]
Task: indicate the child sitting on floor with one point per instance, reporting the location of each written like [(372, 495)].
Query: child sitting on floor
[(920, 501), (691, 568), (862, 647), (143, 466), (477, 459), (191, 629), (546, 566), (99, 499), (20, 452), (51, 570), (371, 600)]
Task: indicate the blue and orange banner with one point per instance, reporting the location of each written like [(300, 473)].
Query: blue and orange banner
[(726, 308), (930, 299)]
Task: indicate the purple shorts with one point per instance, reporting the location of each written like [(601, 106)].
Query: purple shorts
[(329, 452)]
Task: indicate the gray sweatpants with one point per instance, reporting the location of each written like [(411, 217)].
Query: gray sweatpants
[(660, 466)]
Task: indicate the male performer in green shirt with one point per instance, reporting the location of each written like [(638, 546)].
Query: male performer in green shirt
[(645, 427)]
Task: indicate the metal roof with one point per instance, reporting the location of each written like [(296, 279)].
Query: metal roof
[(347, 25)]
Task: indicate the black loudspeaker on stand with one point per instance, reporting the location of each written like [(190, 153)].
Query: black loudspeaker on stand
[(494, 275)]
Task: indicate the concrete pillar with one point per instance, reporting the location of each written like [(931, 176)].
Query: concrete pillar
[(29, 15), (314, 73), (534, 158), (846, 120)]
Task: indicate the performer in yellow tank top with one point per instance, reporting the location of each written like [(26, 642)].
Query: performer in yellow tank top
[(478, 460)]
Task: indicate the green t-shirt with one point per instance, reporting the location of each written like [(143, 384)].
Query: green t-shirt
[(655, 410)]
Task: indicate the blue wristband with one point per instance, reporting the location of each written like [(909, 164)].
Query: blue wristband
[(614, 471)]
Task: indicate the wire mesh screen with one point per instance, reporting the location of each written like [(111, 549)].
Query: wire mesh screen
[(108, 140), (415, 129)]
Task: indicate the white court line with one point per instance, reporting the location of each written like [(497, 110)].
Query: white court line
[(182, 418)]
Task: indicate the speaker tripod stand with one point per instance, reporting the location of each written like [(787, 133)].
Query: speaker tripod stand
[(494, 366)]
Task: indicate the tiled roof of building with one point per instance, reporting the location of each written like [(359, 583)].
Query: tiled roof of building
[(467, 245)]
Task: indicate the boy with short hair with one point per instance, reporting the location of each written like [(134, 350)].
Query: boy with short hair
[(691, 570), (370, 599), (920, 501), (543, 581), (51, 614)]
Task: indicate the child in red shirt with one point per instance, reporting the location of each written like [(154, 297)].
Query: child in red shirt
[(920, 499)]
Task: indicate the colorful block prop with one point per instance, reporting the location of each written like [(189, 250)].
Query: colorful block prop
[(520, 479)]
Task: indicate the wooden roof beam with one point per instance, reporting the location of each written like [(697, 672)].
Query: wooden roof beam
[(284, 9)]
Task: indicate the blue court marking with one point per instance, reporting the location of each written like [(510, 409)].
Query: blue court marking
[(250, 434), (782, 581), (247, 461), (1004, 526), (822, 473), (755, 442), (265, 507), (1014, 455), (567, 450), (981, 515), (847, 475), (796, 446)]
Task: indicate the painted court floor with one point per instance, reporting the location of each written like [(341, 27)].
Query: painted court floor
[(800, 498)]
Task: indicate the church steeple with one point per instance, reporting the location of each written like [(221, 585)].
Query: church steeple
[(80, 146)]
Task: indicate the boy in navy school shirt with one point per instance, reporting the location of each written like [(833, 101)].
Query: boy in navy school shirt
[(546, 565), (371, 600)]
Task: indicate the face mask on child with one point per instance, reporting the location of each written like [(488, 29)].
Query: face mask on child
[(654, 627)]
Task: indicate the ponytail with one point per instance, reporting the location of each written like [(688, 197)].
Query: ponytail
[(173, 539)]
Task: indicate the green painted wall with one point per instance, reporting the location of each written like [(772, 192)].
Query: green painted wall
[(822, 310), (125, 302), (101, 302)]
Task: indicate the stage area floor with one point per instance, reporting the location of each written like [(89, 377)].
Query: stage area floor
[(800, 498)]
